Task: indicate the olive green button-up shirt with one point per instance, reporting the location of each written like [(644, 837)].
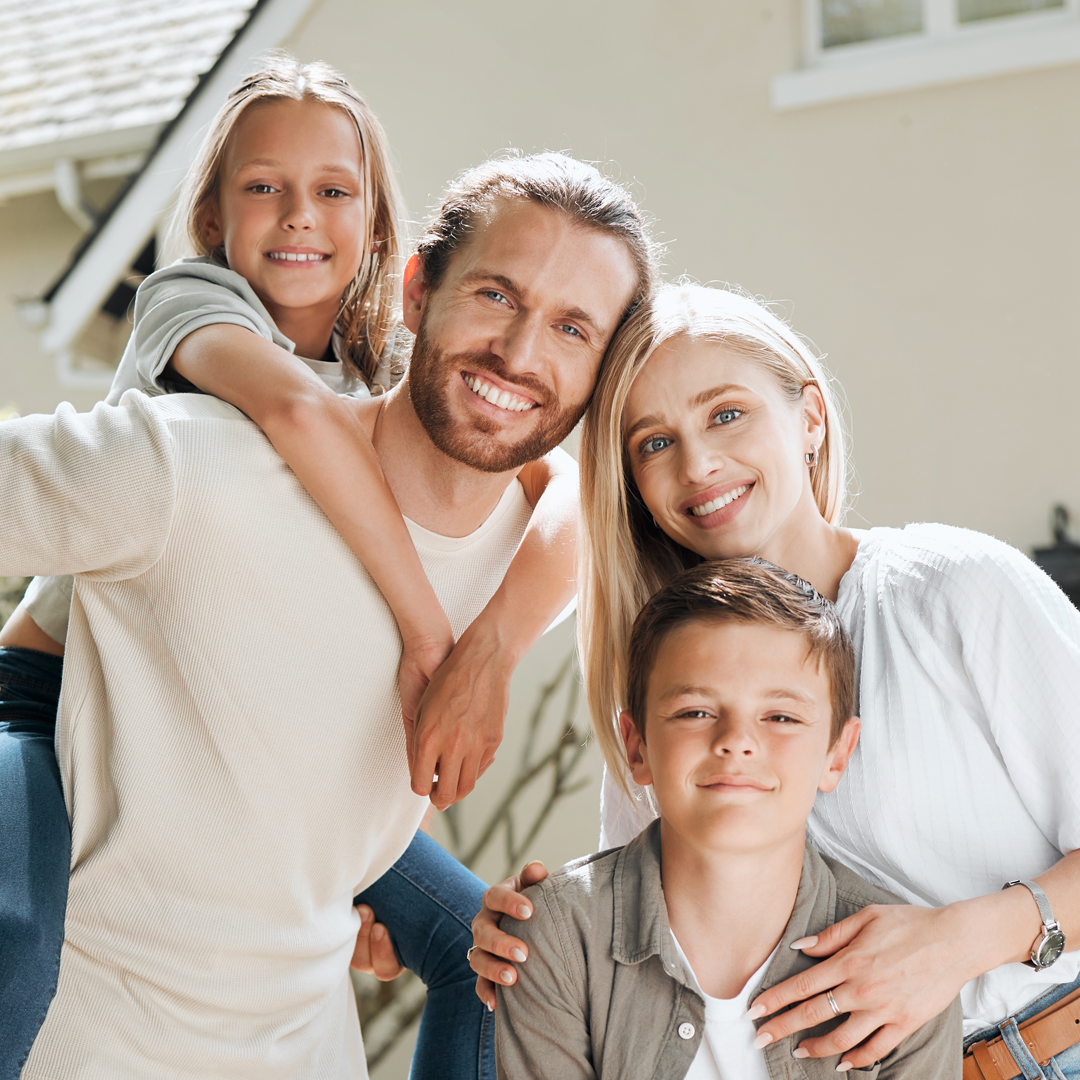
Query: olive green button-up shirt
[(604, 994)]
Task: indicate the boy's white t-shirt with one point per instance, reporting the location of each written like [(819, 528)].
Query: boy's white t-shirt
[(727, 1050)]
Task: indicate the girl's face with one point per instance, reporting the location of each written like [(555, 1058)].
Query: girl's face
[(290, 211), (718, 452)]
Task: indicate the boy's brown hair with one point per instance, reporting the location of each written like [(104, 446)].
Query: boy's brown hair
[(750, 591)]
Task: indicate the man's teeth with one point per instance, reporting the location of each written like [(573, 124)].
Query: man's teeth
[(723, 500), (296, 256), (502, 398)]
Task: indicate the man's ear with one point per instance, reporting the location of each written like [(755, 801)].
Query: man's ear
[(836, 760), (637, 753), (209, 223), (414, 290)]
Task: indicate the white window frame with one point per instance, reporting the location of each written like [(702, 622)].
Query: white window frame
[(945, 51)]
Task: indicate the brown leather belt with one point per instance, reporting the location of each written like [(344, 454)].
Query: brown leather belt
[(1047, 1033)]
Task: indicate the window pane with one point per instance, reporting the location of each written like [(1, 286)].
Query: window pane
[(971, 10), (844, 22)]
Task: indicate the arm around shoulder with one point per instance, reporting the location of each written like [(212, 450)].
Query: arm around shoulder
[(541, 1024)]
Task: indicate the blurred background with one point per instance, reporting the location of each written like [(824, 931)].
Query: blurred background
[(899, 176)]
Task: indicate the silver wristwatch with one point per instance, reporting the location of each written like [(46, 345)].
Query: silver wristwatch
[(1051, 943)]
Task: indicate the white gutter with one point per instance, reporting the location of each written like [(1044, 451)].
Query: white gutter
[(131, 223)]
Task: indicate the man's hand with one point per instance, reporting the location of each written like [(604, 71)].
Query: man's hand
[(890, 968), (459, 722), (374, 952), (490, 943)]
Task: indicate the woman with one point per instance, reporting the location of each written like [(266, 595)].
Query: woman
[(713, 433)]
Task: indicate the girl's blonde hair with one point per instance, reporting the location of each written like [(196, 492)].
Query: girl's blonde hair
[(367, 321), (626, 558)]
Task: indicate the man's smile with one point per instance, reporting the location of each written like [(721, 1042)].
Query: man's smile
[(493, 395)]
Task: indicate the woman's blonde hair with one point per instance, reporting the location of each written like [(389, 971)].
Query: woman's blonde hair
[(367, 321), (626, 558)]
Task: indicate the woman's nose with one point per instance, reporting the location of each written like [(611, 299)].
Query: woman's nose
[(698, 462)]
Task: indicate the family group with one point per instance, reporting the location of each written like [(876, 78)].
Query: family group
[(288, 567)]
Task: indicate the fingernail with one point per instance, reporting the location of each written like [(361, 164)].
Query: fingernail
[(804, 943), (523, 911), (490, 1007), (364, 914), (755, 1011), (800, 1053), (506, 977), (762, 1040), (844, 1066), (378, 933), (518, 955)]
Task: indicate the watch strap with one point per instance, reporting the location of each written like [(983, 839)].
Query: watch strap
[(1045, 910)]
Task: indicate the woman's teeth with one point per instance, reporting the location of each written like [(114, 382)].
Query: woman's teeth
[(716, 504), (295, 256), (494, 396)]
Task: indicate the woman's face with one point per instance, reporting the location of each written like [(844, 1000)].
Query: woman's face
[(718, 452)]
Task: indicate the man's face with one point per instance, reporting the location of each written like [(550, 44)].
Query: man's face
[(738, 736), (509, 345)]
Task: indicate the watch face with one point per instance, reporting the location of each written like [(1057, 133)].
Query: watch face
[(1049, 949)]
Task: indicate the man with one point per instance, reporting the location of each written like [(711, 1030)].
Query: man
[(230, 737)]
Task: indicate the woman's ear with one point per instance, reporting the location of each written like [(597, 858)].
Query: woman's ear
[(813, 404), (414, 289), (836, 760), (637, 753)]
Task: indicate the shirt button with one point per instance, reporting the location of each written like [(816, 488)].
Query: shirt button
[(686, 1031)]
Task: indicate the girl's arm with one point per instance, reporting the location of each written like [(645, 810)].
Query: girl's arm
[(464, 708), (322, 441)]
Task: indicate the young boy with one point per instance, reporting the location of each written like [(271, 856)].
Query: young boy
[(644, 961)]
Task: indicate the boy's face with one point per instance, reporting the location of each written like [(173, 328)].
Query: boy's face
[(738, 731)]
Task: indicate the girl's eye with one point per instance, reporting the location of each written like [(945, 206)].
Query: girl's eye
[(654, 444), (334, 193), (260, 189), (726, 415)]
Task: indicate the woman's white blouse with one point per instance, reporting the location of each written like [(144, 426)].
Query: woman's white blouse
[(967, 773)]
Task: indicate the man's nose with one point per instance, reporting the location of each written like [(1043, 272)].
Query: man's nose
[(520, 344)]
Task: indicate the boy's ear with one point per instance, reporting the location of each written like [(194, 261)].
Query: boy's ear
[(210, 224), (637, 753), (839, 755), (414, 289)]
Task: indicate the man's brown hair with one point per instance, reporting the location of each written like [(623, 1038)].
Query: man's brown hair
[(558, 181), (749, 591)]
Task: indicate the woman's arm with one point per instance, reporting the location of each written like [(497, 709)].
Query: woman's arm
[(320, 438), (469, 694)]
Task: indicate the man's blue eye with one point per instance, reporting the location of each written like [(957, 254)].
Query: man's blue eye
[(657, 442), (496, 296), (572, 330)]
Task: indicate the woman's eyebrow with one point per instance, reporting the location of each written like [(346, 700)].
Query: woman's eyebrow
[(642, 422), (715, 391)]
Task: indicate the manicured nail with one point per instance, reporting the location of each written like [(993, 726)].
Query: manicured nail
[(518, 955), (804, 943), (506, 977), (800, 1053), (844, 1066), (523, 911), (762, 1040), (755, 1011), (490, 1007)]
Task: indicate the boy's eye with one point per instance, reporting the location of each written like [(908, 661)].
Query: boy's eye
[(782, 718), (654, 443), (695, 714), (727, 414)]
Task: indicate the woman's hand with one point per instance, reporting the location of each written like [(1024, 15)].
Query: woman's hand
[(890, 968), (490, 943), (374, 952), (421, 657), (459, 723)]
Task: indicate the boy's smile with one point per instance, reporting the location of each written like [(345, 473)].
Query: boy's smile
[(738, 736)]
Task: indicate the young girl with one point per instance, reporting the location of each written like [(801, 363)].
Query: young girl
[(292, 209)]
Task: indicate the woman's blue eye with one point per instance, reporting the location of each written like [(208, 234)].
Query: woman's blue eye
[(725, 416), (657, 442)]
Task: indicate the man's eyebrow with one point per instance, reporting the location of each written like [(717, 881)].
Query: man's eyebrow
[(481, 275)]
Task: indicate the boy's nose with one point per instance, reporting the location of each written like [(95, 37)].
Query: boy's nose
[(735, 739)]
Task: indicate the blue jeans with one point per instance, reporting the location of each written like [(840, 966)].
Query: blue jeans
[(1063, 1066), (426, 900)]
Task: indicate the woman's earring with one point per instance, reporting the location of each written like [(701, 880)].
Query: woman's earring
[(811, 458)]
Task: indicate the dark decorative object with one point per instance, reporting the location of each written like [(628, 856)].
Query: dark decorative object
[(1062, 561)]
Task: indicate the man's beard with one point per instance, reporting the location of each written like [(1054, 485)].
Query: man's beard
[(431, 372)]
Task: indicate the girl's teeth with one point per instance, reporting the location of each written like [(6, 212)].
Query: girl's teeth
[(716, 504), (295, 256)]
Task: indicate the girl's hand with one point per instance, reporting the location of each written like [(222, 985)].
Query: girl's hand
[(459, 723), (374, 952), (490, 943), (421, 657), (891, 968)]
